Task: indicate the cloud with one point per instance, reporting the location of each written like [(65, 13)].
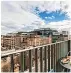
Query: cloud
[(14, 18), (48, 6), (23, 15), (46, 17), (61, 25), (49, 17), (53, 17)]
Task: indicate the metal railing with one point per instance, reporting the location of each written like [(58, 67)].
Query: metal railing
[(43, 57)]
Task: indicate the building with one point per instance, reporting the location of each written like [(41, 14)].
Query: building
[(2, 40), (7, 42), (12, 41), (65, 32), (26, 39), (35, 40), (64, 35), (49, 33), (43, 31)]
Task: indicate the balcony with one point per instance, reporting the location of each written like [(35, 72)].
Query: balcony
[(39, 59)]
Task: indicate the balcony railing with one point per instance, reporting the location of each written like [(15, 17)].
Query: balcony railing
[(41, 58)]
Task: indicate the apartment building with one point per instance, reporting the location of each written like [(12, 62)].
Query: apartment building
[(7, 42), (36, 40), (1, 40), (11, 41)]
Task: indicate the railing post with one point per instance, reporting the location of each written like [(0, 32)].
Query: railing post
[(48, 58), (30, 61), (22, 61), (36, 60), (45, 59), (60, 49), (55, 54), (68, 45), (25, 60), (12, 63), (52, 55), (41, 60)]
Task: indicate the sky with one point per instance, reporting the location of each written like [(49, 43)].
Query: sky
[(30, 15)]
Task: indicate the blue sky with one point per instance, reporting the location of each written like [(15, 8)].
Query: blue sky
[(53, 16)]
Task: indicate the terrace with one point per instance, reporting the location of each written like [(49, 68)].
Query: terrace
[(44, 58)]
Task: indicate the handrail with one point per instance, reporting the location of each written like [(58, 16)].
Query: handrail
[(18, 51), (50, 51)]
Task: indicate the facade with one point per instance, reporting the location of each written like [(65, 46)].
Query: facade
[(11, 42), (1, 40), (59, 36), (43, 31), (7, 42), (24, 41), (35, 40), (65, 32)]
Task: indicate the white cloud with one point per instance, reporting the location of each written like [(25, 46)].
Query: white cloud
[(46, 17), (53, 17), (21, 15), (48, 6), (61, 25), (49, 17), (14, 18)]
